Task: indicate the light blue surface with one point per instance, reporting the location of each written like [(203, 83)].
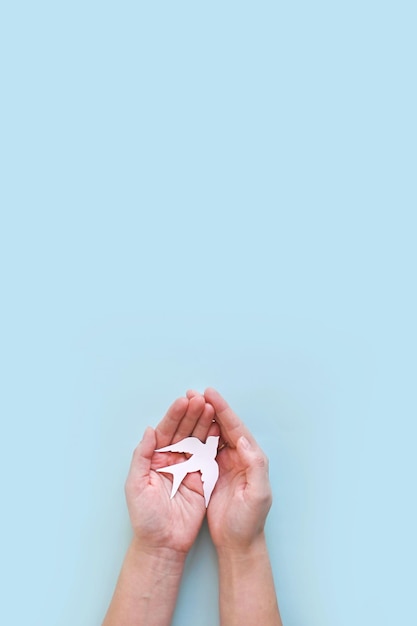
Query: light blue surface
[(219, 194)]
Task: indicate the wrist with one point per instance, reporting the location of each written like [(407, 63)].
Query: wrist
[(158, 557), (247, 550)]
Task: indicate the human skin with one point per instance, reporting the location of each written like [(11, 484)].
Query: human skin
[(236, 518), (164, 529)]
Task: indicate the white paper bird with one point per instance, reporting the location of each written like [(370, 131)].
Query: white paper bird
[(203, 460)]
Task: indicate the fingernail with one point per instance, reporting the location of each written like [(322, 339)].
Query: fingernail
[(245, 443)]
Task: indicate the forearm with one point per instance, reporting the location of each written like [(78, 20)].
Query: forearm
[(147, 588), (247, 592)]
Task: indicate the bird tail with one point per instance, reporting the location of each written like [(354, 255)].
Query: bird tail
[(178, 474)]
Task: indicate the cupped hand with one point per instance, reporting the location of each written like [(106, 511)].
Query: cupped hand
[(158, 521), (242, 497)]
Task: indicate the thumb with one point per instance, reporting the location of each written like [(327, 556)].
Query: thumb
[(256, 464), (142, 456)]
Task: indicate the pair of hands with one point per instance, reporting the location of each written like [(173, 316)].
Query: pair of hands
[(241, 498)]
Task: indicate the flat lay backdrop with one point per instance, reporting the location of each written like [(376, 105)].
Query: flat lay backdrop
[(218, 194)]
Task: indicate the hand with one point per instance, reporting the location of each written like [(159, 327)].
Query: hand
[(236, 516), (242, 497), (159, 522)]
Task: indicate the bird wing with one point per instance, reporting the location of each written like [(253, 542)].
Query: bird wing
[(178, 471), (209, 476), (191, 445)]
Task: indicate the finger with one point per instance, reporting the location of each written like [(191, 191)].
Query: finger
[(202, 427), (231, 426), (167, 427), (214, 431), (256, 464), (186, 426), (191, 393), (142, 456)]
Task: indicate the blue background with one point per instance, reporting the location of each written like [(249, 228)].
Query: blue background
[(217, 194)]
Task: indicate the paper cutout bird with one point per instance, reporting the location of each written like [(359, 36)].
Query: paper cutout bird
[(203, 460)]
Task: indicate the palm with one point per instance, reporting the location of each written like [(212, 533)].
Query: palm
[(224, 511), (164, 521), (239, 506)]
